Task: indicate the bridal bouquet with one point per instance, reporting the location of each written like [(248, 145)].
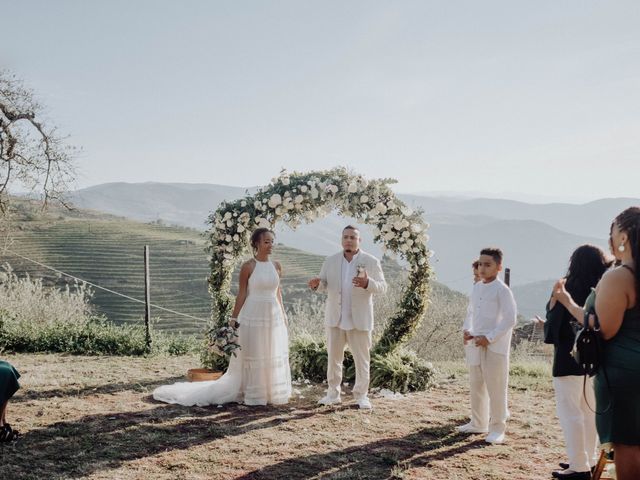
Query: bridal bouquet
[(223, 341)]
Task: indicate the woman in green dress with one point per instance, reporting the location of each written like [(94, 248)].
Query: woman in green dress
[(8, 386), (617, 383)]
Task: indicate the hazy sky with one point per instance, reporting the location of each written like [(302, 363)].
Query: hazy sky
[(533, 97)]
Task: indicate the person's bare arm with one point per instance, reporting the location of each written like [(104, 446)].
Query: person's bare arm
[(561, 295), (284, 312), (245, 273), (612, 299)]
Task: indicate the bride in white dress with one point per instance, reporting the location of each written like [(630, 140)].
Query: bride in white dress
[(259, 373)]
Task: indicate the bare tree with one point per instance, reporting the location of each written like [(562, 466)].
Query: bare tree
[(32, 155)]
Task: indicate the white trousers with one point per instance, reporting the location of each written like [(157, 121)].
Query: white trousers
[(578, 422), (359, 342), (489, 382)]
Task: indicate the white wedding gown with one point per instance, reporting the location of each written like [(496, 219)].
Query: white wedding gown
[(260, 372)]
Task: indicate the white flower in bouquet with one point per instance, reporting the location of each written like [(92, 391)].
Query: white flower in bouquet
[(314, 193), (299, 199), (275, 200), (422, 261), (243, 203), (364, 199), (228, 238), (286, 181), (257, 204), (304, 189), (227, 216), (352, 188), (223, 341), (332, 188), (230, 222), (236, 238), (240, 229), (389, 236), (406, 234)]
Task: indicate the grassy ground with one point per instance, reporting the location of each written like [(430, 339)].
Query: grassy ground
[(93, 417)]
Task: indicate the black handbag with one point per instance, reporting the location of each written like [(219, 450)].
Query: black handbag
[(588, 349), (589, 345)]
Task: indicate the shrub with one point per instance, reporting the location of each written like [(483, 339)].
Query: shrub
[(399, 371), (308, 359), (36, 318)]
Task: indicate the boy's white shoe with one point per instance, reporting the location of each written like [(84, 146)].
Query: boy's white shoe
[(470, 428), (364, 403), (495, 438), (329, 400)]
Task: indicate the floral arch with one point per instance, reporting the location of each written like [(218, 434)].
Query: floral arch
[(293, 198)]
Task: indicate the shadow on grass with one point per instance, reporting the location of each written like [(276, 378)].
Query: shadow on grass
[(93, 390), (385, 458), (77, 448)]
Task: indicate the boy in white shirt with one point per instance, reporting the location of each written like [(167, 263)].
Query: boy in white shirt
[(487, 329)]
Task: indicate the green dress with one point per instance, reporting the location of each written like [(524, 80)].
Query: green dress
[(620, 388), (8, 381)]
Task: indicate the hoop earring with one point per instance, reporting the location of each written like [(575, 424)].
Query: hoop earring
[(621, 248)]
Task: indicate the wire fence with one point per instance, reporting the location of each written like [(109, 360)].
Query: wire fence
[(117, 297)]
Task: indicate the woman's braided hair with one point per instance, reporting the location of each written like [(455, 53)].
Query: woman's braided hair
[(629, 222)]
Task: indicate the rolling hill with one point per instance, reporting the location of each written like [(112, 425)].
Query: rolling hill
[(108, 251), (537, 238)]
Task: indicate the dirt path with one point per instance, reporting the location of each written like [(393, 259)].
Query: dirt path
[(93, 417)]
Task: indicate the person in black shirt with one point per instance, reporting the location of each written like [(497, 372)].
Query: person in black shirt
[(573, 402)]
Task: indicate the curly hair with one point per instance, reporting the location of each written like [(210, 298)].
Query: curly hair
[(628, 222), (586, 266)]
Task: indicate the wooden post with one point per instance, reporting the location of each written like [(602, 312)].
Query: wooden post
[(507, 276), (147, 298)]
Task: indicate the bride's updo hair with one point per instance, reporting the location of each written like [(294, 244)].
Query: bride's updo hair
[(256, 236)]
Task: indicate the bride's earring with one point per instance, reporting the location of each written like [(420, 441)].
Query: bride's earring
[(621, 248)]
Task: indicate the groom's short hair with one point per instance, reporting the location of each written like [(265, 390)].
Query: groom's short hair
[(351, 227)]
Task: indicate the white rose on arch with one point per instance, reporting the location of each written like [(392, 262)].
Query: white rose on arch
[(381, 208), (275, 200)]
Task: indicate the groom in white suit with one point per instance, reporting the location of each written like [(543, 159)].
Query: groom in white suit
[(350, 278)]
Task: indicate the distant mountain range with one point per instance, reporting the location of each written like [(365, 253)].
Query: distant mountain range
[(537, 238)]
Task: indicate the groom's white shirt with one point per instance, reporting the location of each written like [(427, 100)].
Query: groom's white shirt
[(331, 281)]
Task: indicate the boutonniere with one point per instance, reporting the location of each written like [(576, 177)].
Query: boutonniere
[(361, 269)]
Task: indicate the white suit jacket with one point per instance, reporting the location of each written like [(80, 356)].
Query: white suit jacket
[(361, 298)]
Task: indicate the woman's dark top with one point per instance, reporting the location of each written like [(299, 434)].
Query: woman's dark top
[(8, 381), (617, 383), (560, 331)]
